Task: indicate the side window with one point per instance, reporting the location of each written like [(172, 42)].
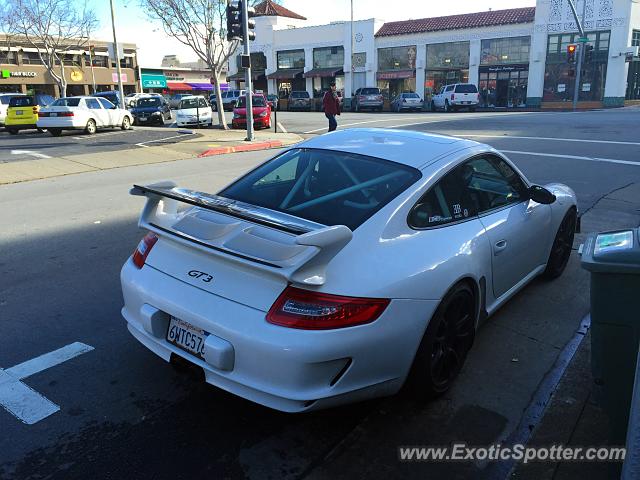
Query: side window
[(446, 202), (492, 183), (449, 88), (93, 104), (105, 103)]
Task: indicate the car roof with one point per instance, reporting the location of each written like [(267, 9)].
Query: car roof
[(415, 149)]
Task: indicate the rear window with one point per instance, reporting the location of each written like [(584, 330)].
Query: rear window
[(410, 95), (44, 100), (299, 94), (21, 102), (66, 102), (466, 88), (324, 186), (370, 91), (5, 99), (257, 100)]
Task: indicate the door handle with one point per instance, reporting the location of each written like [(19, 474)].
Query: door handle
[(499, 246)]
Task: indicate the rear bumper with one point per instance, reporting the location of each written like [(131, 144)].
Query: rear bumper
[(242, 122), (285, 369), (59, 122)]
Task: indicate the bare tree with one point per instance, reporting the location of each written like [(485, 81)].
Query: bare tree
[(200, 25), (52, 27)]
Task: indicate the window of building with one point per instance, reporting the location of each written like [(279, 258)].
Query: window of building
[(633, 75), (31, 58), (635, 38), (328, 57), (8, 58), (496, 51), (397, 58), (559, 77), (291, 59), (100, 61), (448, 55)]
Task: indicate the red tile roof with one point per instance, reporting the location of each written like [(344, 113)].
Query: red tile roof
[(269, 8), (455, 22)]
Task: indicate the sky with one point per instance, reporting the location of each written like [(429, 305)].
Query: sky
[(132, 25)]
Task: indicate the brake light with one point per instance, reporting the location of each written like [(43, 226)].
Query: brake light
[(43, 114), (35, 109), (141, 252), (453, 96), (361, 97), (65, 114), (379, 97), (307, 310), (478, 96)]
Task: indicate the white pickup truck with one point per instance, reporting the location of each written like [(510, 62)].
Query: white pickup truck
[(455, 96)]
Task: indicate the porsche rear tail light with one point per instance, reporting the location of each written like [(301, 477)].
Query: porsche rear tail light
[(141, 252), (307, 310)]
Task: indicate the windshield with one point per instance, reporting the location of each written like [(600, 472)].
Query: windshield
[(466, 88), (324, 186), (148, 102), (193, 103), (66, 102), (258, 101), (370, 91)]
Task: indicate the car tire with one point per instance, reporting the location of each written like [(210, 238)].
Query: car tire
[(562, 246), (12, 131), (433, 106), (56, 132), (91, 127), (447, 107), (445, 344), (126, 123), (41, 130)]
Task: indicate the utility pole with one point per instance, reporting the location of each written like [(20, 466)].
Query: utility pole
[(93, 75), (247, 73), (353, 68), (582, 41), (117, 55)]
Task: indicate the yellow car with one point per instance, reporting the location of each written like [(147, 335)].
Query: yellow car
[(22, 112)]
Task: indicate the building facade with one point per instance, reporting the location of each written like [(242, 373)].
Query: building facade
[(516, 57), (22, 71)]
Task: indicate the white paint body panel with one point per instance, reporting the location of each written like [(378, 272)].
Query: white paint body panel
[(292, 370)]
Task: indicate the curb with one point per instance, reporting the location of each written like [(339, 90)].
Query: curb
[(242, 148)]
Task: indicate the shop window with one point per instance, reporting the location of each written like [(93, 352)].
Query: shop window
[(328, 57), (291, 59), (496, 51), (635, 38), (397, 58)]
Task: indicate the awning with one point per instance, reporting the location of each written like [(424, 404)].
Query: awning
[(178, 86), (201, 86), (153, 81), (323, 72), (285, 73), (239, 76), (396, 74)]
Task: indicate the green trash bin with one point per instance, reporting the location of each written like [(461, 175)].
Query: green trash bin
[(613, 258)]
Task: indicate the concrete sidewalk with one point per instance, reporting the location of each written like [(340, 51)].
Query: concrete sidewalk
[(200, 143)]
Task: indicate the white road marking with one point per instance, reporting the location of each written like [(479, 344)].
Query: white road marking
[(573, 157), (282, 129), (612, 142), (144, 144), (98, 136), (23, 402), (30, 153)]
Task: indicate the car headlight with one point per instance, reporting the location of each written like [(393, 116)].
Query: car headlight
[(156, 113), (263, 114)]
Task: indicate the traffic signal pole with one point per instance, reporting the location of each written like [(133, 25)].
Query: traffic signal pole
[(576, 88), (247, 73)]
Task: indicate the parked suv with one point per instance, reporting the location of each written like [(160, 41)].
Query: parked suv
[(231, 97), (300, 100), (455, 96), (367, 97)]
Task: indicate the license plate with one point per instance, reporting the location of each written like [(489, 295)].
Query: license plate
[(18, 112), (187, 337), (143, 119), (53, 114)]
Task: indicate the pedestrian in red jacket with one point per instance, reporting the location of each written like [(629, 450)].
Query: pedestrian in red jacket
[(331, 106)]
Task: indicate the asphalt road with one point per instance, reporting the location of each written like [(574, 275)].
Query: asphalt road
[(124, 413)]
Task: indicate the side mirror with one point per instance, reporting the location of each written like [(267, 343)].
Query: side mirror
[(541, 195)]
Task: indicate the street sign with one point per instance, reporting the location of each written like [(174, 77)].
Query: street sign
[(583, 39)]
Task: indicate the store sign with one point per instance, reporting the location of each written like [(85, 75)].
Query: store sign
[(153, 81), (9, 74), (76, 75), (505, 68), (400, 74)]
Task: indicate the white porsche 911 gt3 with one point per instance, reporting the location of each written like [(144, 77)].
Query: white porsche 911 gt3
[(343, 267)]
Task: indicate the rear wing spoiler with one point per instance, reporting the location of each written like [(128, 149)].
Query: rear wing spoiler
[(268, 240)]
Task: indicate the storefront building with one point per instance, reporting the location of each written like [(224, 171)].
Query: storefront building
[(258, 72), (174, 80), (21, 69), (516, 57)]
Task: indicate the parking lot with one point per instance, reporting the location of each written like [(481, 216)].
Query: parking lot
[(124, 413)]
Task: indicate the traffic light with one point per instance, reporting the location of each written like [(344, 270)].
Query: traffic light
[(251, 24), (588, 53), (571, 53), (234, 21)]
